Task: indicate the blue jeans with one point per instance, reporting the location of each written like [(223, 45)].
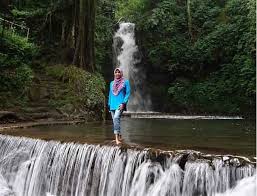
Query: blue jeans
[(116, 115)]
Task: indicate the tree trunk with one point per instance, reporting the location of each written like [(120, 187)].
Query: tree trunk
[(75, 32), (63, 37), (189, 19), (83, 12), (76, 22), (92, 35), (84, 55)]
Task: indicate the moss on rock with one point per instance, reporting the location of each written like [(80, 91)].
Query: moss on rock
[(82, 96)]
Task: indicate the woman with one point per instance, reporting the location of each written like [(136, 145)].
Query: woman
[(118, 98)]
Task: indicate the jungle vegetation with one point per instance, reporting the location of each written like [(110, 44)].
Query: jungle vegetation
[(199, 56)]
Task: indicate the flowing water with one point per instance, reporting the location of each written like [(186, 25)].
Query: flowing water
[(34, 167), (236, 137), (118, 171), (127, 57)]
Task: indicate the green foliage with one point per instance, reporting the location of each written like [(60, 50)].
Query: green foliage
[(16, 80), (218, 58), (27, 13), (14, 84), (103, 34), (13, 44), (231, 89), (131, 9), (16, 75), (56, 71), (85, 91)]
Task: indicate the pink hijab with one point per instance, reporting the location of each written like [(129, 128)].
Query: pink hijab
[(118, 84)]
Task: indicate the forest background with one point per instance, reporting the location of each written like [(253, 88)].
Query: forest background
[(198, 56)]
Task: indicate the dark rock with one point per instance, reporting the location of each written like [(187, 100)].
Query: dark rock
[(183, 161), (9, 117)]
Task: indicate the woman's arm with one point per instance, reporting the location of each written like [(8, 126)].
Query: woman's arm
[(109, 98), (127, 87)]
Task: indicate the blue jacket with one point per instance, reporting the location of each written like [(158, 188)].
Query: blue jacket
[(114, 101)]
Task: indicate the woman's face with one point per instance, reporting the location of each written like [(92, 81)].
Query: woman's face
[(117, 74)]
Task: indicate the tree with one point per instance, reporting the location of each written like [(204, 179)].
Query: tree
[(189, 19), (84, 55)]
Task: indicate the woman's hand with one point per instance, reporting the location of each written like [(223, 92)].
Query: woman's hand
[(122, 106)]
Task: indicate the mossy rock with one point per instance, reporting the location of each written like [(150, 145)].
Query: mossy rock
[(34, 93), (82, 95)]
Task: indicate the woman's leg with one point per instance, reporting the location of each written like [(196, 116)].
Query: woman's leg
[(116, 125), (112, 113)]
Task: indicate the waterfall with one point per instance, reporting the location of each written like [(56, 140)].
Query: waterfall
[(30, 167), (246, 186), (127, 57)]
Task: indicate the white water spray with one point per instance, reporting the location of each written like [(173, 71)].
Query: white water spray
[(246, 186), (30, 167), (127, 54)]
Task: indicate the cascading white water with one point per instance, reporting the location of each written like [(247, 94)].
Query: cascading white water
[(127, 57), (32, 167), (246, 186)]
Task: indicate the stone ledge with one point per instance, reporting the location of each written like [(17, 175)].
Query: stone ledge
[(37, 123)]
